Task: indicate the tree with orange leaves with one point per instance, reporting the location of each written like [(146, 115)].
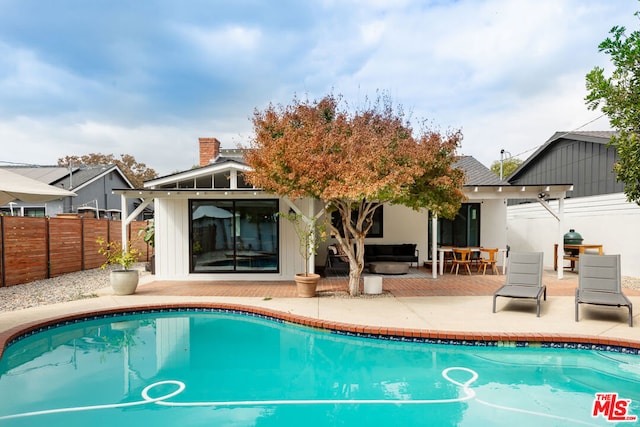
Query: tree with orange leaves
[(354, 162), (135, 172)]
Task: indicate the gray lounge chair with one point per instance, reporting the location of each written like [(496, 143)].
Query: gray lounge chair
[(599, 283), (524, 278)]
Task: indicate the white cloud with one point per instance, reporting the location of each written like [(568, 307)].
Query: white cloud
[(372, 32), (167, 148), (25, 76), (509, 73), (227, 42), (528, 124)]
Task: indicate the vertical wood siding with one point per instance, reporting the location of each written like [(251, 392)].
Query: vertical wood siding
[(586, 165)]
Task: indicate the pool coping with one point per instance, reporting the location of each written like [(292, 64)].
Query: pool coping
[(500, 339)]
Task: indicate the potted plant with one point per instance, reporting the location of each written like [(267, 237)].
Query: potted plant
[(310, 234), (148, 234), (123, 281)]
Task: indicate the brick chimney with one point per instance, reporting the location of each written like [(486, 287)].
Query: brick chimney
[(209, 150)]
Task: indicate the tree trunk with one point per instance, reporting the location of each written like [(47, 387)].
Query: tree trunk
[(352, 238), (354, 282), (355, 268)]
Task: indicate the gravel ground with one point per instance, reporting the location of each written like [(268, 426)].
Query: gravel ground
[(68, 287), (84, 284)]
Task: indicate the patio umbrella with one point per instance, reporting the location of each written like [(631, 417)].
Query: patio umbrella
[(14, 186), (211, 212)]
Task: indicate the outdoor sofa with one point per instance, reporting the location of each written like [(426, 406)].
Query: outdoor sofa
[(400, 252)]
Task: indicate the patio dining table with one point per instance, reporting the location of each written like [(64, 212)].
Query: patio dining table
[(474, 249)]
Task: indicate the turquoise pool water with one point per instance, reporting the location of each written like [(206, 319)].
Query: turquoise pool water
[(214, 368)]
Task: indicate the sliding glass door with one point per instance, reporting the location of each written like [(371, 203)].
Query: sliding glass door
[(462, 231), (234, 236)]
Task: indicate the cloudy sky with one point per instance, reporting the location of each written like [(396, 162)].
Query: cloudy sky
[(148, 77)]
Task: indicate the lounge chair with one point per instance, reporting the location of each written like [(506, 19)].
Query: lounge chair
[(599, 283), (524, 278)]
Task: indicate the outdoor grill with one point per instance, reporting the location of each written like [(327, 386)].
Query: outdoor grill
[(572, 238)]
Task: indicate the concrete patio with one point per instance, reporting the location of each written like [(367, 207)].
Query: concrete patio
[(451, 306)]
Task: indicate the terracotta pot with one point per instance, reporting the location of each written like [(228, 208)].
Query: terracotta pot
[(307, 285), (124, 282)]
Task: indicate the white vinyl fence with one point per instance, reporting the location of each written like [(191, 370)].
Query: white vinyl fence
[(608, 220)]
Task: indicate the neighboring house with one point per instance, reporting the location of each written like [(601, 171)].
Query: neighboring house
[(210, 224), (93, 185), (596, 207)]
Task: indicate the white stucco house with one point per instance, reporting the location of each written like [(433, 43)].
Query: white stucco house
[(212, 225)]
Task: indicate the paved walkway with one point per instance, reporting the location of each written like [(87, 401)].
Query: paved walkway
[(450, 307), (448, 285)]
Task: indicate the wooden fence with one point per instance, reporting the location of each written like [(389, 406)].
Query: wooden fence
[(41, 248)]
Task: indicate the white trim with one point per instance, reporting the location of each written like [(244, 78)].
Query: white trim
[(505, 191), (434, 246), (197, 173)]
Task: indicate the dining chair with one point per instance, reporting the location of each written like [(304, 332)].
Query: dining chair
[(447, 255), (489, 261), (462, 257), (475, 257)]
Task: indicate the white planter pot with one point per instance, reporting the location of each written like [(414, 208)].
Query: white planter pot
[(124, 282), (373, 285)]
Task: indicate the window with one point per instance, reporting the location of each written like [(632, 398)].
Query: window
[(242, 181), (34, 212), (222, 180), (234, 236), (463, 231), (204, 181), (376, 228), (23, 211)]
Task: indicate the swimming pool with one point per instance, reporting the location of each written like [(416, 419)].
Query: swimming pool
[(193, 368)]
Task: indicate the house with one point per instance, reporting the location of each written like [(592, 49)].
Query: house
[(596, 207), (211, 224), (92, 184)]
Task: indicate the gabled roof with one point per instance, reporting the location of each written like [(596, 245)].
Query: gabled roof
[(236, 154), (85, 175), (480, 182), (60, 176), (476, 173), (589, 135), (597, 137), (44, 174)]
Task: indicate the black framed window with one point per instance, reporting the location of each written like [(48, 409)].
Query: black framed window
[(242, 181), (222, 179), (462, 231), (234, 236), (376, 228)]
